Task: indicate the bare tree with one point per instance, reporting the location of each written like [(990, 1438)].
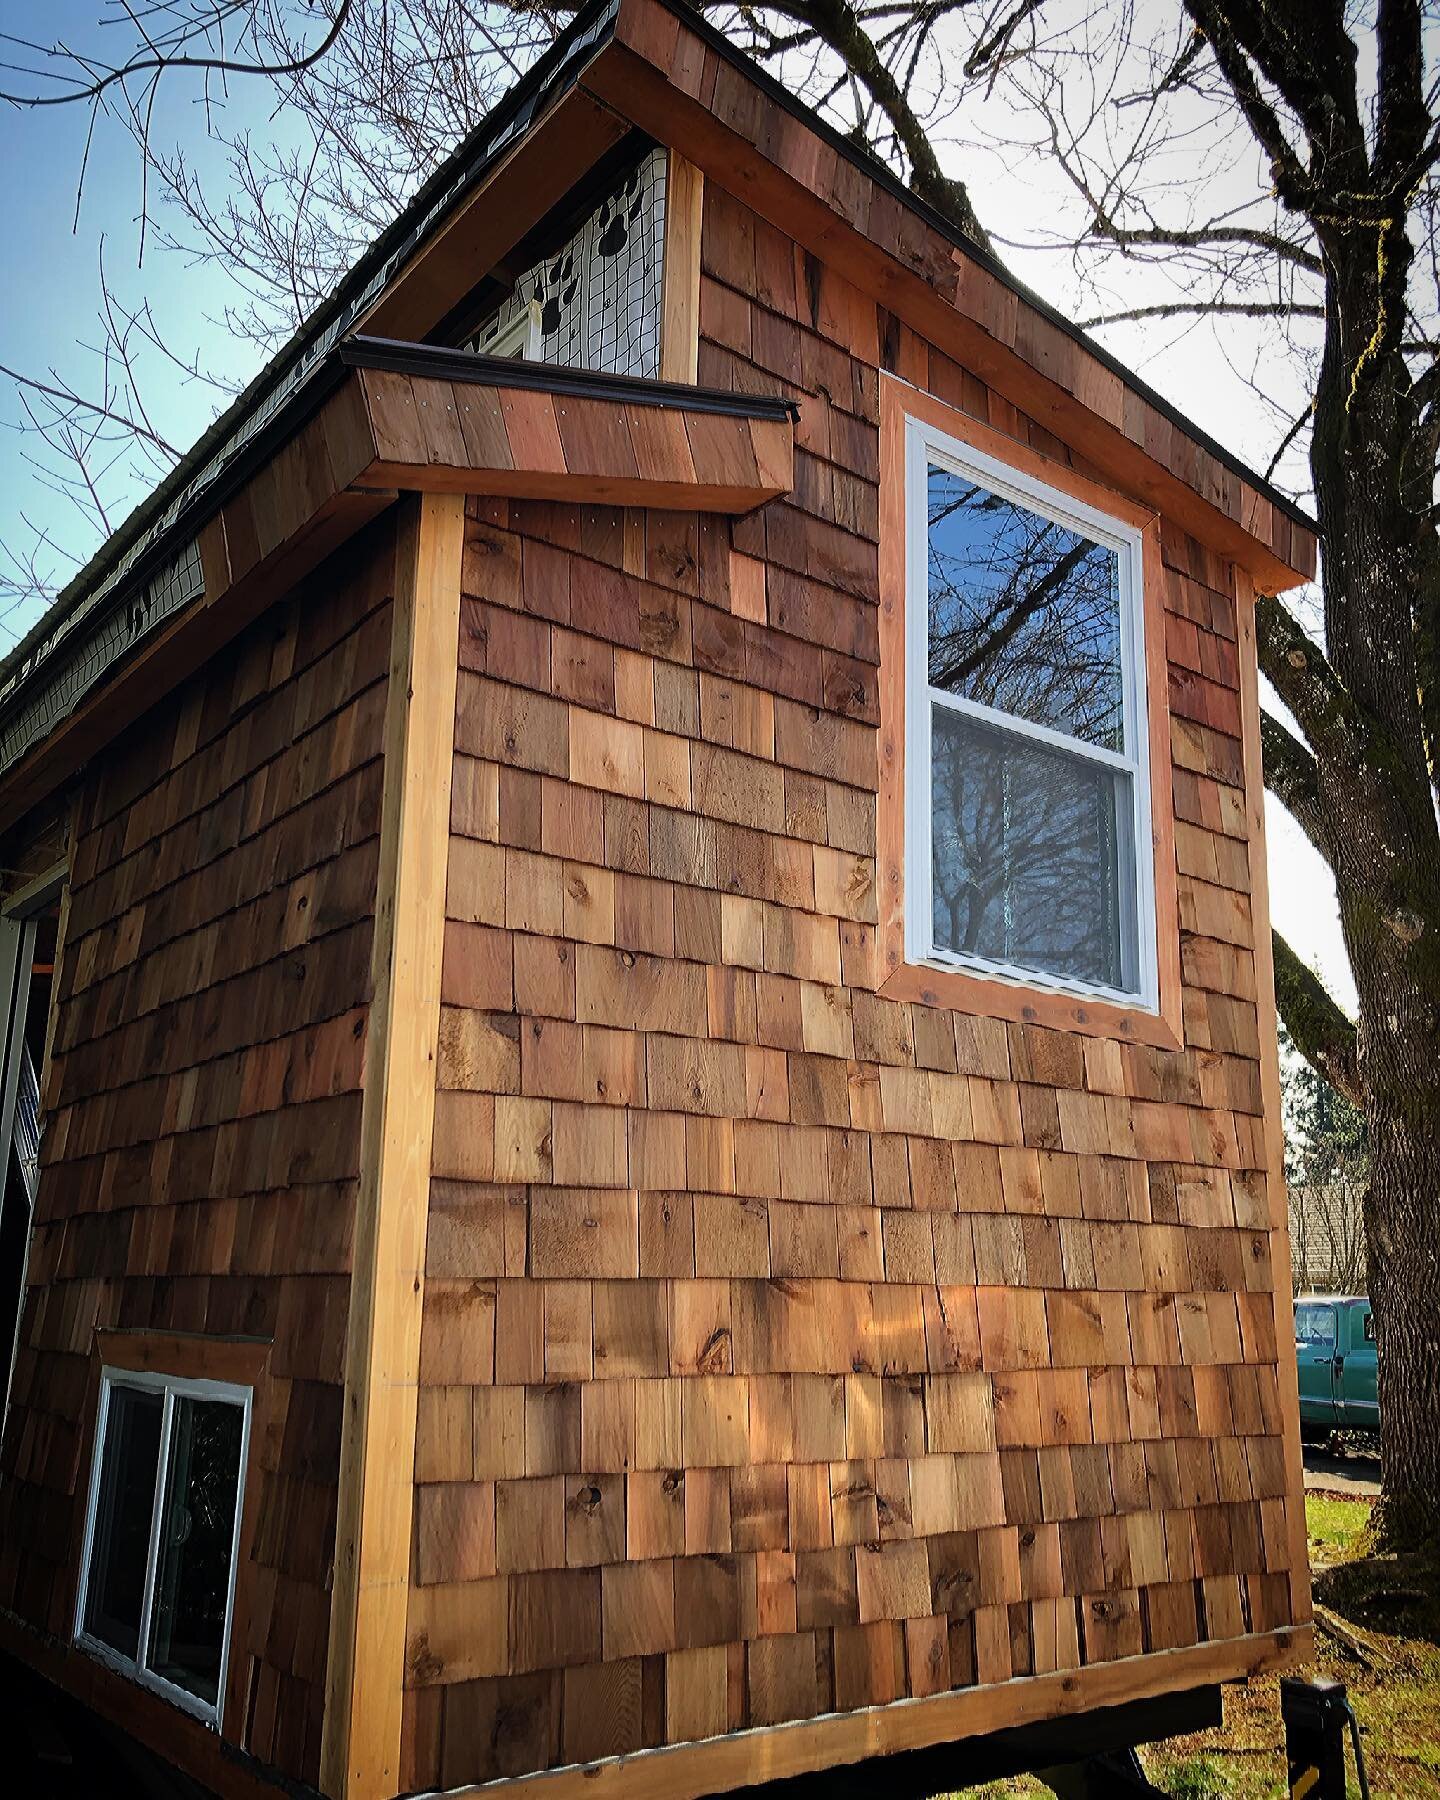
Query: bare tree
[(357, 101), (1266, 163)]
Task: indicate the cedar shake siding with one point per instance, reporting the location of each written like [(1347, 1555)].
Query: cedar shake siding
[(497, 1021), (788, 1349), (200, 1164)]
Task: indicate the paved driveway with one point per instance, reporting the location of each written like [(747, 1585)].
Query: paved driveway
[(1351, 1468)]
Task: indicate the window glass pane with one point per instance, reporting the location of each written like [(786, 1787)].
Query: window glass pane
[(1314, 1325), (123, 1511), (1024, 613), (192, 1584), (1032, 853)]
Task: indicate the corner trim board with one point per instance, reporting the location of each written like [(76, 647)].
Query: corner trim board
[(1268, 1023), (360, 1747)]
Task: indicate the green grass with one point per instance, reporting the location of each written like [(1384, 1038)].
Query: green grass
[(1397, 1702), (1197, 1778), (1335, 1527)]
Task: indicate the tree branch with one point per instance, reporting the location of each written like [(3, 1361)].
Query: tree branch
[(159, 63), (1298, 670), (1319, 1029), (1160, 237), (74, 402), (1297, 425), (1303, 50), (836, 24), (1174, 309), (1294, 780), (1292, 181)]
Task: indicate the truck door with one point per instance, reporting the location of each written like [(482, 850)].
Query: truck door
[(1361, 1407), (1315, 1362)]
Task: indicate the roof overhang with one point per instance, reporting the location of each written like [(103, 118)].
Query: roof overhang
[(447, 420), (385, 417), (622, 65), (542, 126), (657, 65), (675, 77)]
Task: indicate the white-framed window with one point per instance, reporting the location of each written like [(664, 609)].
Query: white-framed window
[(162, 1533), (1027, 803), (519, 336)]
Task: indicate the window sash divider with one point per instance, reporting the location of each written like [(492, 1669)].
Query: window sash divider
[(1042, 734), (157, 1514)]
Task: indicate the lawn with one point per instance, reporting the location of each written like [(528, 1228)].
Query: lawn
[(1391, 1666)]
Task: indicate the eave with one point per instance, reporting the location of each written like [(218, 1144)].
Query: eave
[(543, 124), (382, 418), (653, 66), (676, 78)]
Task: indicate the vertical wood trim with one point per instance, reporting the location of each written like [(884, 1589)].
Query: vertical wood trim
[(890, 811), (360, 1750), (1299, 1571), (680, 302), (1169, 979)]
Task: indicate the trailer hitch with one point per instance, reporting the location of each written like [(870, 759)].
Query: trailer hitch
[(1318, 1716)]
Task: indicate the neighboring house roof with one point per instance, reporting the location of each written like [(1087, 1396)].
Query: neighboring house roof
[(634, 35)]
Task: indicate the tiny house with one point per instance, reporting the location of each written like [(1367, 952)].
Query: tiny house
[(639, 1077)]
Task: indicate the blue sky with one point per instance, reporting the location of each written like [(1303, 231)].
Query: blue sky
[(50, 291)]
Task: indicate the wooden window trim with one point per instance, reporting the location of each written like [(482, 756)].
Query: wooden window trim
[(993, 997), (194, 1356), (237, 1365), (187, 1355)]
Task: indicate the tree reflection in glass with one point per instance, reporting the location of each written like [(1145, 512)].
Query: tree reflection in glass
[(1032, 839), (1024, 613), (121, 1548), (1030, 848), (192, 1587)]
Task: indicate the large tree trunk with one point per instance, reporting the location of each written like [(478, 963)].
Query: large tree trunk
[(1378, 810), (1403, 1234)]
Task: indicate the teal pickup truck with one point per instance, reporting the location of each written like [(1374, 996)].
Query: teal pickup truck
[(1335, 1354)]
